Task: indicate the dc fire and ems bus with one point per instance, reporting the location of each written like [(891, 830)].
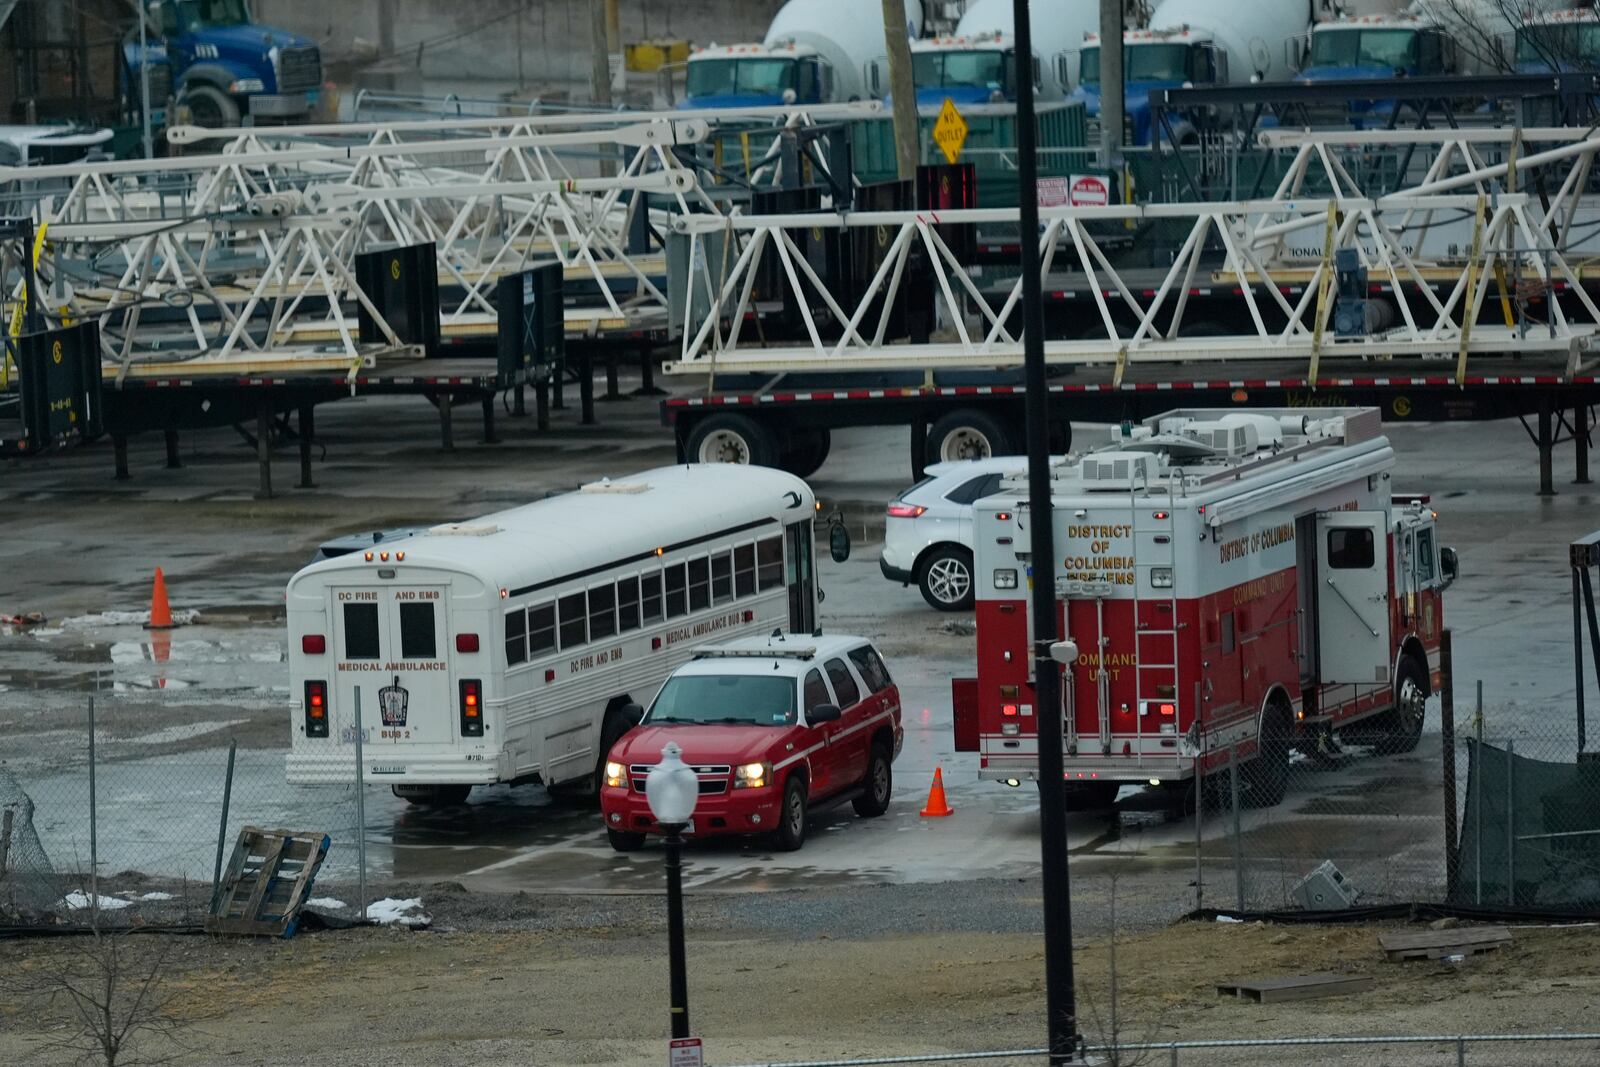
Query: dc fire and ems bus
[(505, 648), (1238, 581)]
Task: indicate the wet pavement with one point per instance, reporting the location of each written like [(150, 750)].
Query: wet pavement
[(81, 548)]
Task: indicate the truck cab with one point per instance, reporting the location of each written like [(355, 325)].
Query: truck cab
[(981, 69), (757, 75), (1373, 47), (216, 61), (1152, 60), (1559, 41)]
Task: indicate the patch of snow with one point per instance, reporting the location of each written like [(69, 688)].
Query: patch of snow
[(393, 912), (124, 618), (155, 896), (181, 732), (330, 903), (1228, 919), (78, 901)]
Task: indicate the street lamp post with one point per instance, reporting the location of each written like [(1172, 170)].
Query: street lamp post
[(672, 789)]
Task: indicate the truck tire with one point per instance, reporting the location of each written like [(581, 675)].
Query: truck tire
[(945, 577), (432, 796), (878, 785), (791, 833), (805, 451), (1267, 776), (731, 439), (1398, 730), (968, 434), (209, 106)]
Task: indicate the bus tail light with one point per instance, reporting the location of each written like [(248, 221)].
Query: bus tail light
[(466, 642), (316, 709), (471, 708), (313, 644)]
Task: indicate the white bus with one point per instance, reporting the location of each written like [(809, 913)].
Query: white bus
[(505, 649)]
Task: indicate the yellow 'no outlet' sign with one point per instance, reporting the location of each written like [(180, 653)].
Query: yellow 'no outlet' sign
[(950, 131)]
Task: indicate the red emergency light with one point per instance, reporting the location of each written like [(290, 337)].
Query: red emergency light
[(466, 642), (313, 644), (1008, 709)]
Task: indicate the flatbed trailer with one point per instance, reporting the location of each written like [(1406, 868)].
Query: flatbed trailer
[(777, 416)]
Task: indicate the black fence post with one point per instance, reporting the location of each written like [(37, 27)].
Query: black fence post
[(1447, 731)]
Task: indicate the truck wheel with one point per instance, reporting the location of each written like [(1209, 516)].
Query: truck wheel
[(624, 840), (945, 578), (805, 452), (792, 816), (209, 106), (432, 796), (879, 784), (1400, 728), (968, 434), (1268, 774), (732, 439)]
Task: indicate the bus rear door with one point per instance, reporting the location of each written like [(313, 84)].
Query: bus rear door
[(392, 645)]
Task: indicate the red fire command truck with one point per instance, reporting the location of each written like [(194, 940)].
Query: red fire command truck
[(1239, 582)]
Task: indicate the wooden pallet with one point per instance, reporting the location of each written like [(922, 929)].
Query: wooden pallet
[(1437, 944), (1294, 987), (267, 882)]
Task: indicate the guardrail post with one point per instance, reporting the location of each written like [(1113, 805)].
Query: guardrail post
[(174, 461), (1511, 824), (1447, 731), (1238, 844), (264, 447), (308, 431)]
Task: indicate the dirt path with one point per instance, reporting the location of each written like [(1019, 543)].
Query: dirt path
[(598, 995)]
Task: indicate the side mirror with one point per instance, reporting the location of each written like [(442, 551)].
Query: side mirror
[(632, 714), (838, 541), (822, 713), (1449, 565)]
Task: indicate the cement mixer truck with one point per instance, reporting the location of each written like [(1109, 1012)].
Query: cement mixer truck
[(977, 63), (1198, 42), (815, 52)]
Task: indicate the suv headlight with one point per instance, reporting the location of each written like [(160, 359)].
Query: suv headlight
[(616, 774), (752, 775)]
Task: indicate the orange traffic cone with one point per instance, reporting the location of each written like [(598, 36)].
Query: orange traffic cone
[(937, 808), (160, 610)]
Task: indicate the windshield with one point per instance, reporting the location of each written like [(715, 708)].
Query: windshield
[(753, 77), (202, 14), (984, 70), (760, 700), (1140, 62), (1572, 45), (1364, 48)]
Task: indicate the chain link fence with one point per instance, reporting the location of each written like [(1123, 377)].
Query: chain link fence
[(126, 805)]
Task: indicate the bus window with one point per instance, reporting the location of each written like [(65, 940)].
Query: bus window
[(574, 617), (699, 584), (744, 571), (602, 612), (361, 631), (677, 591), (627, 604), (722, 577), (516, 637), (650, 598), (541, 629), (417, 640), (769, 563)]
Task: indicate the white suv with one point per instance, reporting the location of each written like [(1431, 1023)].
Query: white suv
[(928, 532)]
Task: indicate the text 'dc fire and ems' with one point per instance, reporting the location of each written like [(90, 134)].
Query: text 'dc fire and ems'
[(1236, 583)]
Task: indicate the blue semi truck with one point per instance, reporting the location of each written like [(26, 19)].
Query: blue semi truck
[(211, 59)]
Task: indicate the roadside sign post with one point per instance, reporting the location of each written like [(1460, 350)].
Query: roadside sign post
[(950, 131), (685, 1052)]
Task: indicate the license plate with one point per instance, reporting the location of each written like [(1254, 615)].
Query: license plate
[(382, 768)]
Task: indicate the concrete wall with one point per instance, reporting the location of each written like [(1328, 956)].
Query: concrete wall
[(463, 40)]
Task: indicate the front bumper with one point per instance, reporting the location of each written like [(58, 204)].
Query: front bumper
[(741, 811), (281, 105)]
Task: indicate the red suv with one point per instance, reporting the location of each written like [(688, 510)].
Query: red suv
[(775, 727)]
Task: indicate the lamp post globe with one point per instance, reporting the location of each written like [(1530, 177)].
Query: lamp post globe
[(672, 788)]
